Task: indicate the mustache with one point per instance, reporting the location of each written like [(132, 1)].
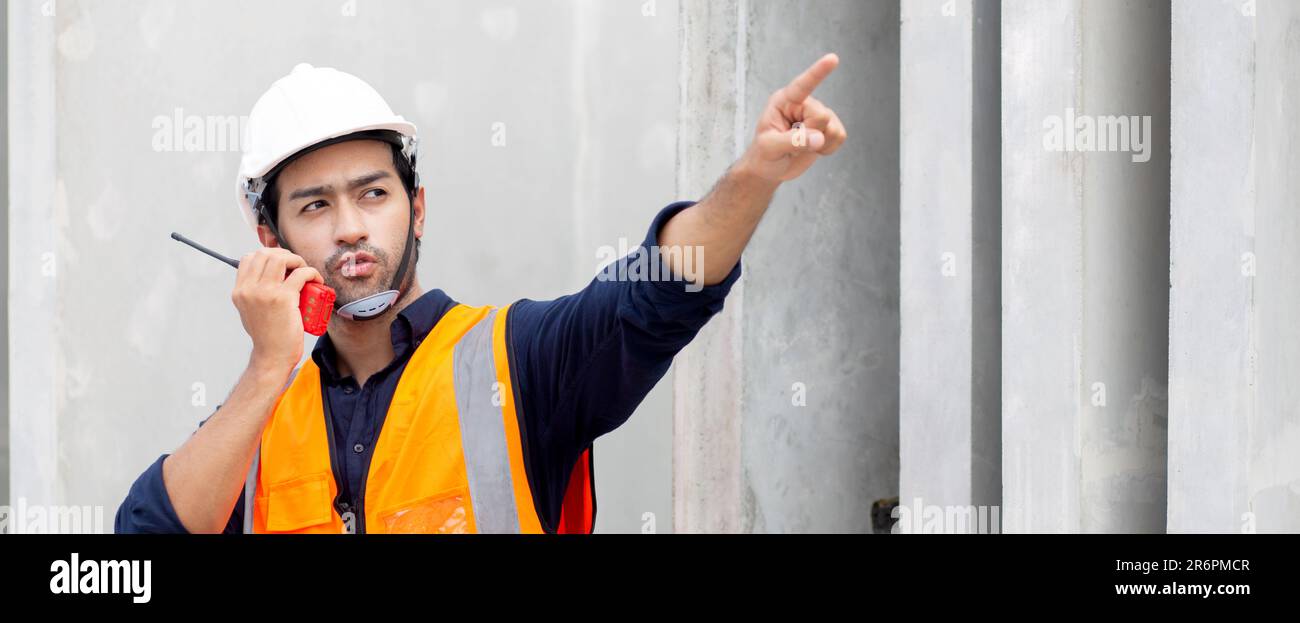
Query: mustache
[(380, 256)]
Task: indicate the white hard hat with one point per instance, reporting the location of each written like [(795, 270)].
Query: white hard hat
[(306, 107)]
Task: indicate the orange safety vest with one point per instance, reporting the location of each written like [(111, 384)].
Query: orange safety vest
[(450, 453)]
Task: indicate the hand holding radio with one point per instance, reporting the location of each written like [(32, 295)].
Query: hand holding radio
[(269, 302), (278, 297)]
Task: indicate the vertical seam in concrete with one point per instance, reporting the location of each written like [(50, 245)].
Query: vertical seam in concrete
[(985, 48), (737, 295), (1081, 320), (973, 276), (972, 200), (683, 65), (1252, 315), (4, 323)]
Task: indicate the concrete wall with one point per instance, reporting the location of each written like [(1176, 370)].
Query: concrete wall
[(1085, 269), (954, 307), (950, 406), (34, 368), (133, 340), (816, 313), (1234, 410), (4, 252), (1120, 277)]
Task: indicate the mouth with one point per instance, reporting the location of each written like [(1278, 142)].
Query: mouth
[(356, 265)]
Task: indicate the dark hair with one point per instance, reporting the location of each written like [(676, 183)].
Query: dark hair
[(405, 173)]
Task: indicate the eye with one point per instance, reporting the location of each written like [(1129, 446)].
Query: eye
[(381, 192), (308, 207)]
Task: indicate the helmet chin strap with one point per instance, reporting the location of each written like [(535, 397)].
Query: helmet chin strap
[(373, 306)]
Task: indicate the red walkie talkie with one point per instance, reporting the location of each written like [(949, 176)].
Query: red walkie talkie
[(316, 302)]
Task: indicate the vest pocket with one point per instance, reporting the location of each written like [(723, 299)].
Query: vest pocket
[(447, 512), (299, 503)]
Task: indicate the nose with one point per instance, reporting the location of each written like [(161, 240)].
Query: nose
[(350, 227)]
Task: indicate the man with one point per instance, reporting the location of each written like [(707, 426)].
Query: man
[(415, 413)]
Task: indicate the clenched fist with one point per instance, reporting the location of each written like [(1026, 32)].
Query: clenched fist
[(795, 128)]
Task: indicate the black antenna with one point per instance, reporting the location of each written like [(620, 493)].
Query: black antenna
[(176, 236)]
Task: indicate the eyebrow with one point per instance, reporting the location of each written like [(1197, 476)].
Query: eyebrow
[(354, 183)]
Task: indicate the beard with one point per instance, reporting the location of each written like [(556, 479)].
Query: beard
[(350, 289)]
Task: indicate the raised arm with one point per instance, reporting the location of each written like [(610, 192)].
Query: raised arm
[(794, 130)]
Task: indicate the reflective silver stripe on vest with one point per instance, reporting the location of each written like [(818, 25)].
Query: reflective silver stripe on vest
[(250, 488), (482, 431)]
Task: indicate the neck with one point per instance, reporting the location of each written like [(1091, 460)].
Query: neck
[(364, 347)]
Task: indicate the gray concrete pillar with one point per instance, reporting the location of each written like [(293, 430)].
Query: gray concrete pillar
[(949, 395), (1085, 230), (786, 406), (707, 374), (1234, 344)]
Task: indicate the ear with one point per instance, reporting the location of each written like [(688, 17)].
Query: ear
[(419, 212), (267, 238)]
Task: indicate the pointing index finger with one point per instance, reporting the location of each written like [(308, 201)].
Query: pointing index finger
[(806, 83)]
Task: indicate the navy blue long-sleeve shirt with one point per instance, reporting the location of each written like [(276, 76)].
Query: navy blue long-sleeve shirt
[(583, 363)]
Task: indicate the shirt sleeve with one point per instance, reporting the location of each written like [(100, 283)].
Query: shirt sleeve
[(148, 509), (583, 362)]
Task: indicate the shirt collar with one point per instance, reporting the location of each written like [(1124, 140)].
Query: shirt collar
[(412, 324)]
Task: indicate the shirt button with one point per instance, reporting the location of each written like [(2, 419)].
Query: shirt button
[(347, 389), (358, 448)]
